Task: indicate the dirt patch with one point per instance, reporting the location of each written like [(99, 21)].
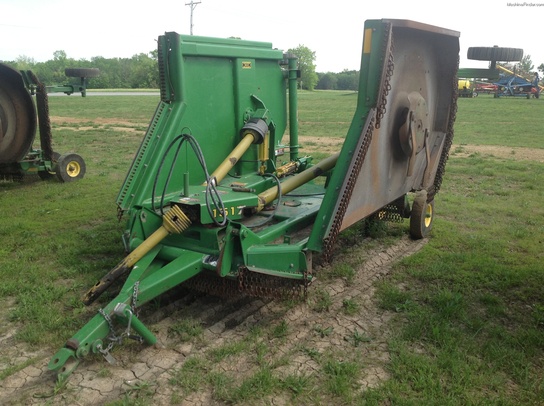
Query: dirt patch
[(319, 332), (78, 124), (98, 121), (331, 145), (515, 153)]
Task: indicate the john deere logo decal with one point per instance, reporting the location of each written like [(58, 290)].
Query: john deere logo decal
[(246, 65)]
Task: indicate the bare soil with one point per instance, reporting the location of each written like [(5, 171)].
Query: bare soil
[(97, 382), (78, 124), (333, 144)]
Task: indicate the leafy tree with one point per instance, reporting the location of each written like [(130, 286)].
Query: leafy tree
[(59, 56), (306, 58), (24, 62), (541, 69), (144, 72), (348, 80), (525, 66), (327, 81)]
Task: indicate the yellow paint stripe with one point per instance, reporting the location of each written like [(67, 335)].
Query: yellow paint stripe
[(367, 42)]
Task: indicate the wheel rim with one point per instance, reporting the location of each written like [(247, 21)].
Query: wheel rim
[(428, 215), (73, 169)]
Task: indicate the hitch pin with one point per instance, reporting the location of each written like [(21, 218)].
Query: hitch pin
[(123, 311)]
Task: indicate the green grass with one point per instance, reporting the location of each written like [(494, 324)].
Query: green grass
[(507, 121), (474, 296), (124, 108), (469, 307), (317, 118)]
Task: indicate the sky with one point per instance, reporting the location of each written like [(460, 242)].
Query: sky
[(333, 30)]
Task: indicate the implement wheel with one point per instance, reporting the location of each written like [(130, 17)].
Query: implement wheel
[(421, 217), (70, 167)]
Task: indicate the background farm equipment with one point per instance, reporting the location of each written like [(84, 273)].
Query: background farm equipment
[(516, 85), (18, 124), (254, 223), (477, 80), (466, 88)]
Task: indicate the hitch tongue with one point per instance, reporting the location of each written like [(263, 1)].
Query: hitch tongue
[(174, 222)]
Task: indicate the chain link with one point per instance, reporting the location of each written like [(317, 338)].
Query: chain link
[(441, 169), (385, 87), (390, 213), (374, 123), (328, 242), (112, 337), (251, 284), (135, 298)]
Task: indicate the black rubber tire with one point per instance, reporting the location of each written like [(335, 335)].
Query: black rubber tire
[(18, 120), (82, 72), (70, 167), (421, 217), (496, 54)]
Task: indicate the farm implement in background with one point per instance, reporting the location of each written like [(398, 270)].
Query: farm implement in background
[(496, 79), (18, 124), (213, 201), (515, 85)]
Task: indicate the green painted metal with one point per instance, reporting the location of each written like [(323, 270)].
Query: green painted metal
[(293, 107), (210, 90), (479, 73), (234, 78)]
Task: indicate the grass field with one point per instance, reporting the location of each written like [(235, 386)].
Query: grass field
[(468, 309)]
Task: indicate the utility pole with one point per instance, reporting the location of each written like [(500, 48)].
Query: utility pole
[(193, 5)]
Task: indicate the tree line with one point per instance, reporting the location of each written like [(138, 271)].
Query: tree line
[(138, 72), (141, 71), (310, 79)]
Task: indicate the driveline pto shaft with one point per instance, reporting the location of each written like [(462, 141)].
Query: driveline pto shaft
[(296, 181), (174, 222)]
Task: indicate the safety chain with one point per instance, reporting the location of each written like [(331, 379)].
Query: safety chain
[(433, 190), (135, 298), (112, 337)]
